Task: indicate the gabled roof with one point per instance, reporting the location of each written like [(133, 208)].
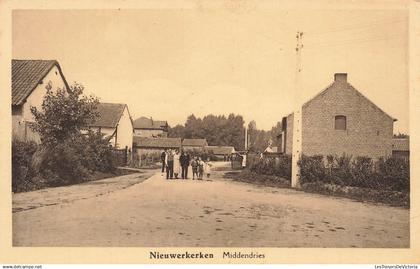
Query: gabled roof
[(147, 142), (194, 142), (27, 74), (109, 115), (351, 87), (221, 150), (401, 144), (354, 89), (148, 123)]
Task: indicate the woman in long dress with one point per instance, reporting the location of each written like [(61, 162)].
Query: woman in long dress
[(177, 164)]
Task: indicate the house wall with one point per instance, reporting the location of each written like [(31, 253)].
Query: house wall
[(192, 148), (369, 131), (106, 131), (125, 131), (150, 133), (289, 134), (21, 115)]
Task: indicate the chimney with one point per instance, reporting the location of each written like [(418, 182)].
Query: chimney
[(340, 77)]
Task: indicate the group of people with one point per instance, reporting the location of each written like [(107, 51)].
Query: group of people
[(176, 163)]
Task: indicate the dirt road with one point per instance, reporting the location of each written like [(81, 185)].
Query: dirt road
[(212, 213)]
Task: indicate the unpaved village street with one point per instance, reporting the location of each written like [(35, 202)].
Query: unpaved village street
[(209, 213)]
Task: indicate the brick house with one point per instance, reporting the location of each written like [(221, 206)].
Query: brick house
[(341, 120), (115, 123), (147, 127), (29, 81)]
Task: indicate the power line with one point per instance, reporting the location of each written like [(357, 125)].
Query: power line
[(357, 26), (350, 41)]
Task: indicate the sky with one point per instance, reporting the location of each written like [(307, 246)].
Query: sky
[(170, 63)]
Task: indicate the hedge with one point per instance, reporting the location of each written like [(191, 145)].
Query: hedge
[(280, 165), (388, 174)]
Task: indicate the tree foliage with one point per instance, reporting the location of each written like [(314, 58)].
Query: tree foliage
[(63, 114), (217, 130), (225, 131)]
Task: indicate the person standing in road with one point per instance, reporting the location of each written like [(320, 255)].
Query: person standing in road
[(200, 168), (185, 162), (163, 158), (169, 164), (194, 166), (177, 165)]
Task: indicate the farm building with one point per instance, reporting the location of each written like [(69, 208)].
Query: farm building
[(147, 127), (401, 147), (147, 149), (194, 144), (340, 120), (29, 81), (221, 152), (115, 123)]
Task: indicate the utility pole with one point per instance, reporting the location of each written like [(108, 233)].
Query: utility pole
[(297, 115), (246, 138)]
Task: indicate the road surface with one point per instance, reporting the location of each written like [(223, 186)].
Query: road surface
[(209, 213)]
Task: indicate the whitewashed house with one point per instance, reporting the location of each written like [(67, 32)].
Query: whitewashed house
[(29, 81), (115, 123)]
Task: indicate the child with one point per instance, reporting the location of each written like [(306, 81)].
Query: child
[(194, 166), (207, 167), (200, 168)]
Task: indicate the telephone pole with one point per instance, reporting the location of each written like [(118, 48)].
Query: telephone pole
[(297, 115)]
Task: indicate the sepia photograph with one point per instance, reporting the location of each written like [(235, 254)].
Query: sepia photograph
[(228, 125)]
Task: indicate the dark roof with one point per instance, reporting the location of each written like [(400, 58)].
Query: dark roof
[(27, 74), (221, 150), (194, 142), (148, 123), (401, 144), (109, 115), (147, 142)]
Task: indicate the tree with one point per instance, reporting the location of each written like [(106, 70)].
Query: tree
[(66, 155), (177, 131), (64, 114)]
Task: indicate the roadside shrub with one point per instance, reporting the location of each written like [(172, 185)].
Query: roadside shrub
[(73, 160), (391, 174), (22, 153), (312, 168), (395, 173), (341, 170), (280, 165)]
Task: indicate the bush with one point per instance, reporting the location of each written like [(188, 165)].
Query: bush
[(73, 160), (22, 153), (312, 168), (280, 165), (391, 174), (395, 173)]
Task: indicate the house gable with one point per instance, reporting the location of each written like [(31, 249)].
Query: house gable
[(342, 120), (28, 74)]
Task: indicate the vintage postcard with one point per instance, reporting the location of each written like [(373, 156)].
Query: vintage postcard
[(209, 132)]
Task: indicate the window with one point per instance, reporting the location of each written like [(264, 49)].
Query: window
[(340, 123)]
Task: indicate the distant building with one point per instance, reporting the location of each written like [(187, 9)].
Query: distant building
[(147, 127), (401, 147), (341, 120), (221, 152), (115, 123), (196, 144), (29, 81)]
